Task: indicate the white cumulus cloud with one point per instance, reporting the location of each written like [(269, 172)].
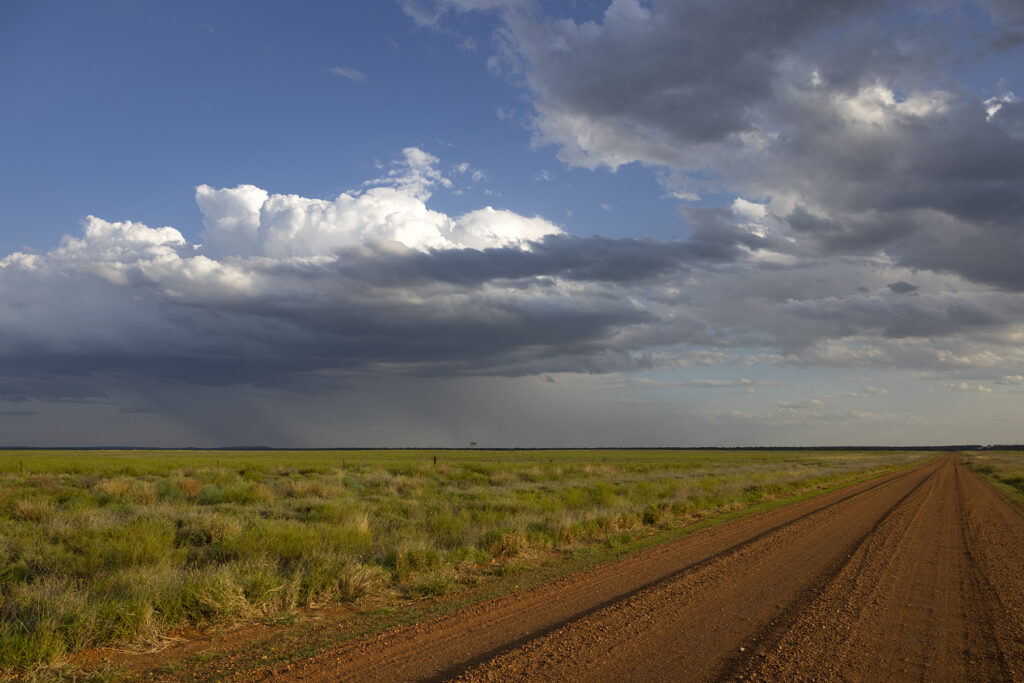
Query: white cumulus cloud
[(248, 221), (349, 73)]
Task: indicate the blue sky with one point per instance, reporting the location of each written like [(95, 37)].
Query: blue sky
[(512, 222), (124, 107)]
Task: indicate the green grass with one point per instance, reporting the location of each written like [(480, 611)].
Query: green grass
[(106, 547), (1004, 469)]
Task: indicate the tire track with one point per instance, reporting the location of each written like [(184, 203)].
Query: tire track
[(992, 604), (993, 530), (743, 592), (914, 604), (769, 637)]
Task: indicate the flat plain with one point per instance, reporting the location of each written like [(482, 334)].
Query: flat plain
[(132, 549)]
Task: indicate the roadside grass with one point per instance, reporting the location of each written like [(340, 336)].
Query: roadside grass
[(120, 547), (1003, 469)]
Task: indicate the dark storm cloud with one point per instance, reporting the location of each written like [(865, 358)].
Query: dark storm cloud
[(715, 238), (593, 259), (692, 72), (940, 193), (839, 112), (901, 287), (506, 311), (898, 317), (1010, 117), (18, 383), (341, 336), (956, 163)]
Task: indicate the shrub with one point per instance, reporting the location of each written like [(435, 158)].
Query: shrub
[(33, 510), (205, 529), (285, 540), (448, 529), (212, 597), (247, 493), (317, 577), (143, 492), (142, 541), (114, 487), (440, 581), (574, 497), (503, 544), (603, 494), (503, 478), (262, 586), (655, 514), (190, 487), (211, 494), (42, 480), (41, 621), (356, 580), (408, 559), (305, 489)]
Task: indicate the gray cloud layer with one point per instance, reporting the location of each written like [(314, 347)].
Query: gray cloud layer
[(837, 114), (877, 222)]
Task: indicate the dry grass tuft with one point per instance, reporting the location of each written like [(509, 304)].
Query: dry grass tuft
[(33, 510), (504, 545), (143, 492), (357, 580), (114, 487), (190, 487)]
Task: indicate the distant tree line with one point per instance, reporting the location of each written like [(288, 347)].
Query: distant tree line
[(946, 448)]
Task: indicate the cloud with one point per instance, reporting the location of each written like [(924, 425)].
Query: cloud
[(431, 12), (964, 386), (635, 85), (300, 293), (284, 284), (901, 287), (1005, 13), (876, 211), (248, 221), (698, 384), (842, 119), (351, 74)]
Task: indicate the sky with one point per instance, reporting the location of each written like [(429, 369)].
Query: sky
[(511, 222)]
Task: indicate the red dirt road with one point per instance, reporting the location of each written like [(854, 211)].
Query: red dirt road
[(912, 576)]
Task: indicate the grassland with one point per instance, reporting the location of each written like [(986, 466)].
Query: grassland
[(1004, 469), (122, 546)]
